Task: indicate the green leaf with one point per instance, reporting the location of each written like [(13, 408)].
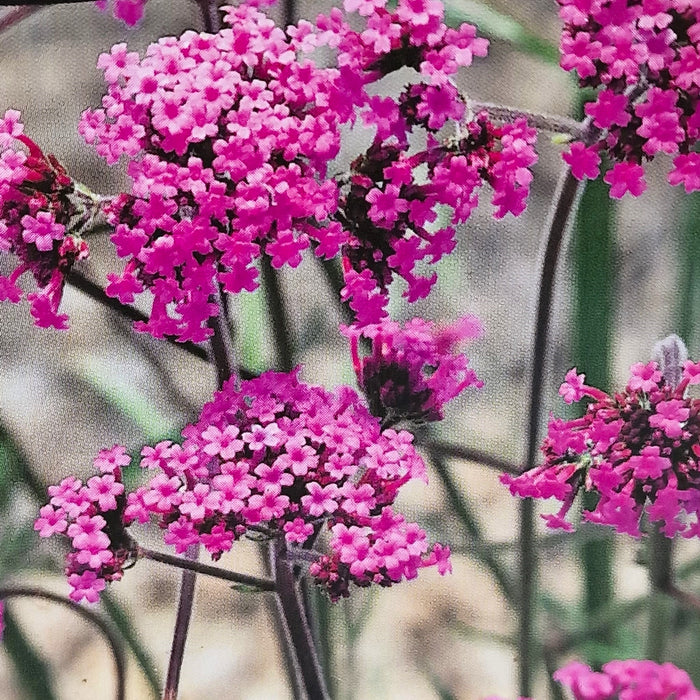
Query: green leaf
[(496, 25), (32, 673), (15, 470), (14, 545), (115, 389)]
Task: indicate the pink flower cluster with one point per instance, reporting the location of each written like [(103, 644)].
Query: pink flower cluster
[(413, 370), (390, 207), (277, 458), (645, 57), (40, 213), (638, 450), (128, 11), (230, 137), (631, 679), (90, 515)]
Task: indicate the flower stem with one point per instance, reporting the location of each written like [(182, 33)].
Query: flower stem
[(96, 293), (470, 454), (292, 610), (87, 614), (563, 205), (210, 15), (225, 362), (542, 122), (262, 584)]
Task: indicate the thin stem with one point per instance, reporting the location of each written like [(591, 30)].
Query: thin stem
[(87, 614), (461, 508), (222, 350), (210, 15), (564, 202), (262, 584), (292, 610), (225, 363), (687, 600), (542, 122), (469, 454), (279, 315), (182, 625), (95, 292)]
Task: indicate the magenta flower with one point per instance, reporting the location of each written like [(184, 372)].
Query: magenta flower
[(230, 138), (129, 11), (308, 460), (413, 370), (638, 450), (631, 678), (644, 58), (41, 214), (388, 208)]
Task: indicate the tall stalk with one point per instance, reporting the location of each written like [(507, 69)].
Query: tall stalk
[(563, 205)]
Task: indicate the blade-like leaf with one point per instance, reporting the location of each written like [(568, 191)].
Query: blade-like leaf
[(126, 629), (32, 673)]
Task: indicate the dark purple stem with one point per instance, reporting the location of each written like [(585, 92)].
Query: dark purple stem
[(292, 610), (262, 584), (564, 203), (87, 614)]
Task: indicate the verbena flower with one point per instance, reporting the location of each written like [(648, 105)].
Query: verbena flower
[(637, 450), (643, 56), (277, 458), (129, 11), (389, 207), (413, 370), (230, 137), (41, 215), (630, 679)]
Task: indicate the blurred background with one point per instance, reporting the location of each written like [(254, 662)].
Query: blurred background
[(626, 279)]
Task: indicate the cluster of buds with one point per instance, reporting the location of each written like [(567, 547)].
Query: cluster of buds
[(389, 206), (413, 370)]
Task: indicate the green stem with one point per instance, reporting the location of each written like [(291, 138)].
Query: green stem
[(470, 454), (594, 255), (279, 315), (660, 608)]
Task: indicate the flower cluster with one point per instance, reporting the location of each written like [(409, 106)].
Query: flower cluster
[(645, 58), (41, 214), (230, 137), (631, 679), (390, 205), (413, 371), (277, 458), (90, 514), (638, 450)]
